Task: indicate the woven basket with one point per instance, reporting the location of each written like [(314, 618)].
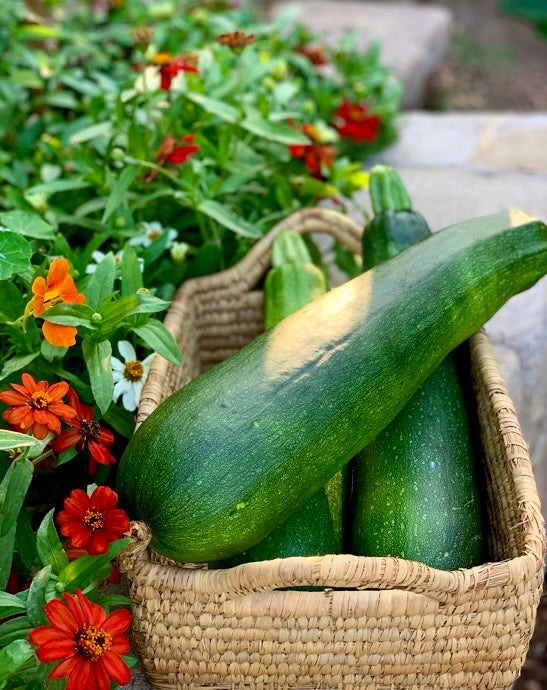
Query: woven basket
[(380, 623)]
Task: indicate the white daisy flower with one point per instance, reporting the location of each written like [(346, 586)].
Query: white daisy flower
[(129, 376), (98, 256), (151, 232)]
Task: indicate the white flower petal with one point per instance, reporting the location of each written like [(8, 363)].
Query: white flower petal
[(116, 364), (127, 351), (120, 388), (91, 268), (128, 400), (137, 390), (97, 256)]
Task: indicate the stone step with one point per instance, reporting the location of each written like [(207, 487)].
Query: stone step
[(413, 38)]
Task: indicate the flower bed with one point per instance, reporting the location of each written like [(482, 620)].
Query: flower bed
[(142, 145)]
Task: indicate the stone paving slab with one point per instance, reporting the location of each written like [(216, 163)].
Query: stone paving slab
[(413, 38)]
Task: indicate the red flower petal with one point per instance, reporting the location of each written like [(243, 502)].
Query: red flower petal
[(75, 609), (103, 498), (40, 431), (55, 650), (13, 398), (29, 383), (101, 454), (65, 668), (98, 543), (66, 439), (49, 420), (94, 614), (117, 668), (82, 675), (60, 617), (118, 622)]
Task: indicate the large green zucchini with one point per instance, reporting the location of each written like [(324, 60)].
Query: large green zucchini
[(415, 491), (316, 527), (228, 457)]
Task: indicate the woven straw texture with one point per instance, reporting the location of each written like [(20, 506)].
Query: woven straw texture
[(380, 623)]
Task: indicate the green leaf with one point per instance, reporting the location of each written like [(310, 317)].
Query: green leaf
[(14, 629), (86, 570), (121, 186), (25, 540), (16, 364), (58, 186), (131, 271), (15, 253), (101, 129), (229, 220), (278, 131), (28, 224), (37, 597), (48, 544), (68, 314), (221, 109), (121, 420), (108, 600), (97, 357), (115, 312), (158, 338), (101, 282), (51, 352), (7, 544), (13, 439), (12, 304), (13, 657), (10, 604), (13, 490)]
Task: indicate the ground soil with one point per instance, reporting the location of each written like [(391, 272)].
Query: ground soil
[(496, 61)]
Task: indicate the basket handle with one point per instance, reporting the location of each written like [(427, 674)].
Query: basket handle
[(136, 551)]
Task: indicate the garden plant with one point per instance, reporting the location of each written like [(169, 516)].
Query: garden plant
[(142, 144)]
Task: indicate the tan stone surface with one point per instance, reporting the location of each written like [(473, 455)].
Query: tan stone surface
[(413, 38)]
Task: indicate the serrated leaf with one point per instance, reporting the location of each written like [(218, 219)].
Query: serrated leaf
[(28, 224), (101, 282), (121, 186), (16, 364), (13, 490), (15, 253), (97, 357), (14, 439), (13, 657), (85, 570), (49, 547), (158, 338), (228, 219)]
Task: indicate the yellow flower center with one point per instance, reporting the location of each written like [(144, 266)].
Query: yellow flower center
[(93, 519), (51, 298), (40, 400), (134, 371), (154, 234), (92, 642)]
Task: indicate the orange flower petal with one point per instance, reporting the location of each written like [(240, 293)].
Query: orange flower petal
[(60, 336), (58, 271)]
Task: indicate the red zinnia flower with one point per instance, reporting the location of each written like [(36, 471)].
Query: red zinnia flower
[(92, 522), (352, 120), (170, 152), (37, 406), (314, 52), (170, 67), (314, 154), (86, 434), (88, 644)]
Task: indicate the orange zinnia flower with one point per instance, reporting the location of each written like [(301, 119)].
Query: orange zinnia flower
[(92, 522), (58, 287), (236, 40), (37, 406), (353, 120), (315, 154), (88, 644)]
